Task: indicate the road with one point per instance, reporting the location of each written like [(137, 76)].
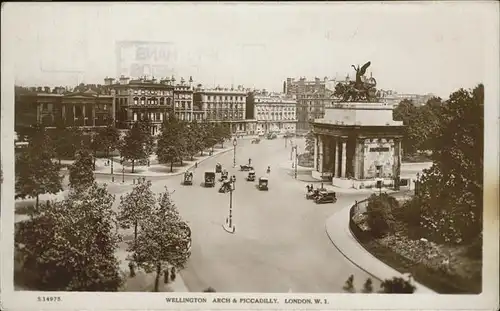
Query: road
[(280, 244)]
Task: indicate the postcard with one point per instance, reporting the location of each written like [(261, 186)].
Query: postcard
[(237, 156)]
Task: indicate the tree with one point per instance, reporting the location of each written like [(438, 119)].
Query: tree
[(147, 137), (36, 173), (310, 140), (191, 134), (170, 143), (164, 240), (207, 132), (107, 139), (70, 245), (209, 289), (406, 111), (81, 174), (397, 286), (451, 191), (136, 207), (349, 284), (380, 210), (133, 145)]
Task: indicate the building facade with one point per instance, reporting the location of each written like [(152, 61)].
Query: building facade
[(59, 107), (312, 98), (357, 144), (142, 98), (226, 105), (272, 112)]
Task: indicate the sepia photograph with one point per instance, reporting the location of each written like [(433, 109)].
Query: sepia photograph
[(250, 156)]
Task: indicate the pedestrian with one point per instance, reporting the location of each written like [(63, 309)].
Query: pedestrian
[(196, 165)]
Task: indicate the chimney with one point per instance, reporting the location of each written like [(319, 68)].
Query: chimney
[(46, 89), (39, 89)]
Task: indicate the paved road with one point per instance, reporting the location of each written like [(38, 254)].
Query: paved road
[(280, 242)]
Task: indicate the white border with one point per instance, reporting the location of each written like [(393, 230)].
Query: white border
[(11, 300)]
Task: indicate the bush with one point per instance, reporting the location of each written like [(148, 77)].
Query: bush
[(209, 289), (380, 210), (368, 286), (411, 215), (349, 285), (397, 286)]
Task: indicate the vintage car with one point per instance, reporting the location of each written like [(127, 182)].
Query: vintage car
[(209, 179), (251, 176), (255, 141), (325, 197), (271, 136), (312, 193), (225, 187), (263, 181), (188, 178), (246, 168), (218, 168)]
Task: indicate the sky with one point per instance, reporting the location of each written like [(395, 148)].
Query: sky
[(413, 47)]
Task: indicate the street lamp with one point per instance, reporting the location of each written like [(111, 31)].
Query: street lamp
[(229, 221), (123, 170), (234, 151), (112, 176), (295, 162)]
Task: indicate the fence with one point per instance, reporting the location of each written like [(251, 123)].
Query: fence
[(357, 232)]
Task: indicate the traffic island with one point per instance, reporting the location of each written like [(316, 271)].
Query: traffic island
[(228, 229)]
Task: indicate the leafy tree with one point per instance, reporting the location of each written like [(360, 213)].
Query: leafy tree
[(209, 289), (147, 137), (451, 191), (136, 207), (170, 142), (164, 240), (107, 139), (406, 111), (207, 132), (35, 172), (70, 245), (67, 141), (310, 142), (133, 145), (397, 286), (191, 133), (81, 174), (380, 210)]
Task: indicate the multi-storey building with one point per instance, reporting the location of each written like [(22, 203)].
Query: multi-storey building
[(142, 98), (394, 98), (312, 98), (273, 112), (222, 105), (87, 106)]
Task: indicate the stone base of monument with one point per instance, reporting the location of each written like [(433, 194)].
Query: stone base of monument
[(345, 183)]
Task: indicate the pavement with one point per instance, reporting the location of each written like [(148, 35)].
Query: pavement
[(337, 228)]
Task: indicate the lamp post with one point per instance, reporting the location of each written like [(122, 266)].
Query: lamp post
[(229, 221), (417, 184), (235, 142), (112, 176), (295, 162), (123, 170)]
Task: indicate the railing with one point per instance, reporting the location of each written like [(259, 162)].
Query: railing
[(357, 232)]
